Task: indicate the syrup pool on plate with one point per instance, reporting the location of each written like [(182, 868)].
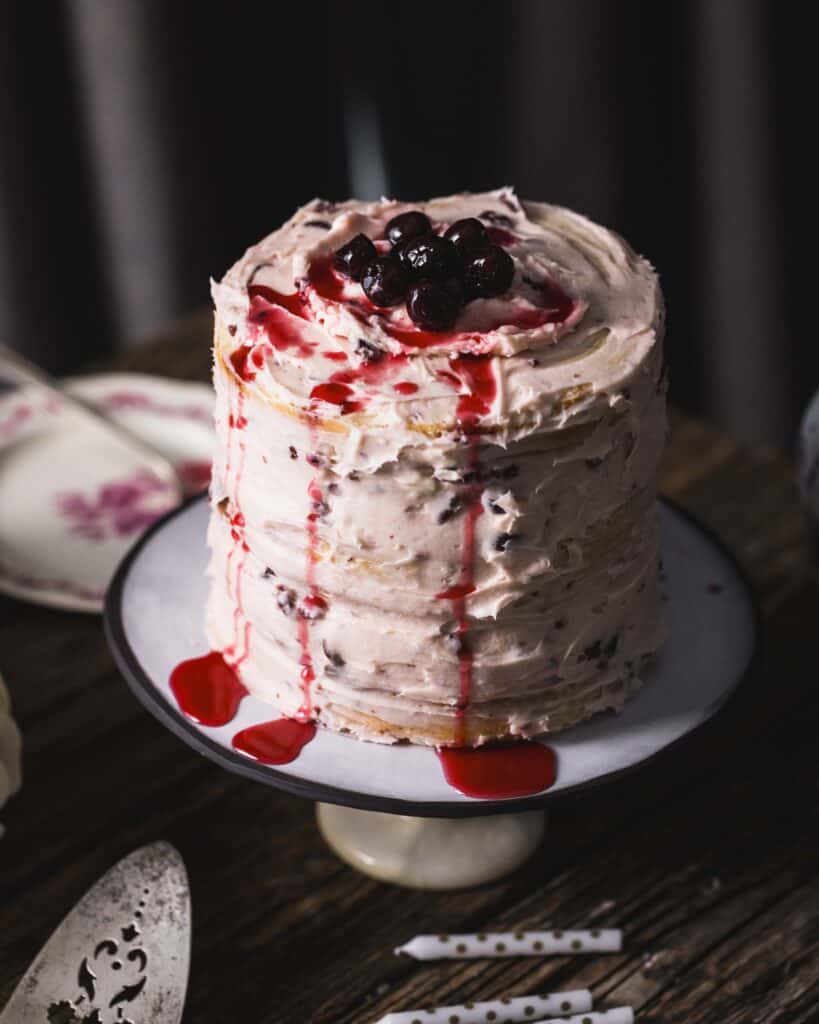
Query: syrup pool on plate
[(207, 689), (209, 692), (277, 742), (495, 772)]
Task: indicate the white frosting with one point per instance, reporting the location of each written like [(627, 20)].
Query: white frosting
[(564, 609)]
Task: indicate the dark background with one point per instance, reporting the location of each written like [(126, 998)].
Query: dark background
[(145, 143)]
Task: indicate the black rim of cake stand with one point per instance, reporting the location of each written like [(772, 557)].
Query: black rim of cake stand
[(150, 697)]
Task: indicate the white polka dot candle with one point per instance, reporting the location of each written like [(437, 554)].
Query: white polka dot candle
[(498, 1011), (620, 1015), (500, 944)]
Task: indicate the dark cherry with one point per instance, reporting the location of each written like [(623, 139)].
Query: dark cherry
[(489, 272), (455, 287), (352, 258), (384, 281), (431, 306), (431, 258), (405, 226), (467, 235)]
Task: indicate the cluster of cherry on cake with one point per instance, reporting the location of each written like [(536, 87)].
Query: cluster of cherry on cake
[(436, 275)]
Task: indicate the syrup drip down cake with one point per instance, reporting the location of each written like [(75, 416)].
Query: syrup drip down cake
[(433, 499)]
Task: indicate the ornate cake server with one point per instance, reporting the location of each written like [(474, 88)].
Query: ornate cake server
[(121, 955)]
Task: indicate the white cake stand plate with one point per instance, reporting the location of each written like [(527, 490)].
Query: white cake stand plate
[(154, 618)]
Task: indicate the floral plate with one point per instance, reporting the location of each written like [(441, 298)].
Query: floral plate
[(73, 498)]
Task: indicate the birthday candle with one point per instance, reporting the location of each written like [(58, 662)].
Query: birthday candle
[(499, 944), (519, 1008), (620, 1015)]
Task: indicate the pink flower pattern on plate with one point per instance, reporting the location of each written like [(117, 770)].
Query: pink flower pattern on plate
[(120, 508)]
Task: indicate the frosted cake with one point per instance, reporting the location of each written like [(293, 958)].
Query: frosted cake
[(433, 500)]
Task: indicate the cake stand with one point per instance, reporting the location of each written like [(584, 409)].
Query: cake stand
[(388, 809)]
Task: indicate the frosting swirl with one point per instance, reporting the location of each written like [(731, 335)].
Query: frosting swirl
[(582, 304)]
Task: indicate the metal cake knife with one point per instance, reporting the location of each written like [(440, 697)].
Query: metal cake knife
[(121, 955)]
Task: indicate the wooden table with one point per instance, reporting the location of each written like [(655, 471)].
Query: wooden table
[(709, 860)]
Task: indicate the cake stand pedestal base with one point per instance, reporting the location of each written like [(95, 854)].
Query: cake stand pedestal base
[(431, 853)]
